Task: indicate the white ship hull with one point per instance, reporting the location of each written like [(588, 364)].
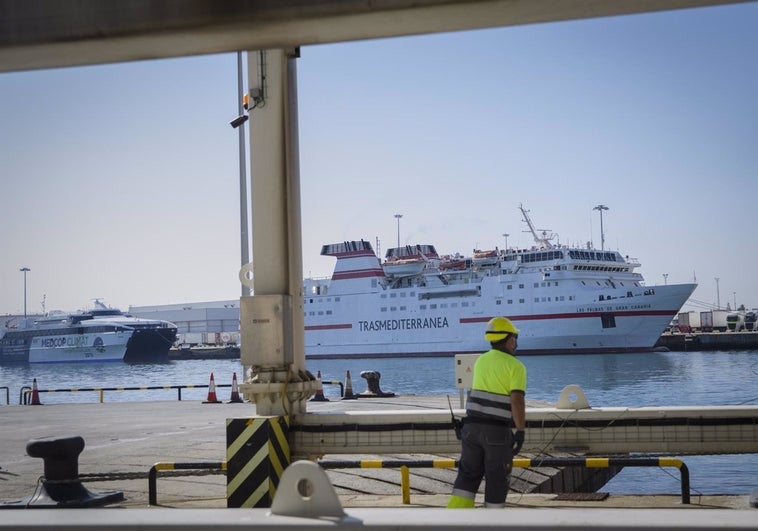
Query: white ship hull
[(355, 326), (110, 346)]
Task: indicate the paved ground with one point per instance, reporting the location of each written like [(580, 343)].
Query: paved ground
[(123, 440)]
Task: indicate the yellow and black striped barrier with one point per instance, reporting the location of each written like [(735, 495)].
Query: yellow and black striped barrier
[(537, 462), (257, 452), (152, 476)]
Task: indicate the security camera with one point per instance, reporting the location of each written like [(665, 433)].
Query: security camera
[(238, 121)]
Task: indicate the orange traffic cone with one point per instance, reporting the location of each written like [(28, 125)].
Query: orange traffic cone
[(212, 399), (35, 394), (235, 391), (349, 395), (319, 396)]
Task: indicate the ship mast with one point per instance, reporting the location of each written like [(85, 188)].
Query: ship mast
[(543, 240)]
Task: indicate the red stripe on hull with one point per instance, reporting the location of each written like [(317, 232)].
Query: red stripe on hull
[(363, 273), (329, 327), (544, 317)]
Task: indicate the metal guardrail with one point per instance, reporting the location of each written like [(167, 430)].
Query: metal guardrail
[(335, 382), (152, 476), (26, 391), (589, 462), (24, 397), (406, 465)]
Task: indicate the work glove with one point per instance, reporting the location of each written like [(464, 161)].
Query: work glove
[(518, 441)]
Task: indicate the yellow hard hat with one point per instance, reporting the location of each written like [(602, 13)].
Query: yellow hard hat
[(498, 328)]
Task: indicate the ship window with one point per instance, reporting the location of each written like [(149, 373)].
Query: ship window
[(443, 305), (337, 299), (432, 306), (536, 284), (393, 295), (454, 305), (465, 304), (520, 286), (321, 313), (521, 301), (383, 295), (510, 301), (498, 301), (393, 308), (509, 286), (536, 299), (328, 312), (402, 308), (422, 307), (383, 309)]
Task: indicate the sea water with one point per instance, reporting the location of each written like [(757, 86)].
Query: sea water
[(608, 380)]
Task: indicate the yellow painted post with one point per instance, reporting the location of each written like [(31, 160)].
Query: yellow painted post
[(257, 452), (405, 481)]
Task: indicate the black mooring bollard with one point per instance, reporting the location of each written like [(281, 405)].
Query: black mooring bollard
[(60, 485), (372, 382)]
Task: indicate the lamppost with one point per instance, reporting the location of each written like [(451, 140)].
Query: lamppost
[(242, 117), (602, 234), (734, 294), (398, 216), (718, 297), (505, 235), (665, 279), (24, 270)]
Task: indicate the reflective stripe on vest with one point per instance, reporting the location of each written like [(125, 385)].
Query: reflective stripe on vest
[(489, 405)]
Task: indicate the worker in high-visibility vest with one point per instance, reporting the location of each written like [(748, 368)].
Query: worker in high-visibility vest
[(496, 405)]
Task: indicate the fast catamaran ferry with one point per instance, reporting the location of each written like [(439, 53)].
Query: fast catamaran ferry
[(563, 299), (100, 334)]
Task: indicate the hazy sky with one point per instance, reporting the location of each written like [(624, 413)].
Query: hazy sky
[(121, 181)]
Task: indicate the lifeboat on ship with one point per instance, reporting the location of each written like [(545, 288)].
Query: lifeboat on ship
[(486, 257), (404, 267)]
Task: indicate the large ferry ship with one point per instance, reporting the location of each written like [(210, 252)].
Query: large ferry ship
[(101, 334), (563, 299)]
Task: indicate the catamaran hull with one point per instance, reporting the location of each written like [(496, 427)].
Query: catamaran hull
[(78, 348), (150, 345)]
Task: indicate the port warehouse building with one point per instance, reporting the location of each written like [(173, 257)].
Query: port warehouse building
[(198, 323)]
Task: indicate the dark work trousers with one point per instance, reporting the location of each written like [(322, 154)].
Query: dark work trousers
[(486, 452)]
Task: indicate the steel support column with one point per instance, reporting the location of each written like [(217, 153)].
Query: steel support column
[(273, 351)]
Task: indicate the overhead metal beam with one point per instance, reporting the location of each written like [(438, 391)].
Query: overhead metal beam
[(38, 34)]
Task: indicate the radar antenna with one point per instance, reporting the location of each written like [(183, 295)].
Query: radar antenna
[(544, 239)]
